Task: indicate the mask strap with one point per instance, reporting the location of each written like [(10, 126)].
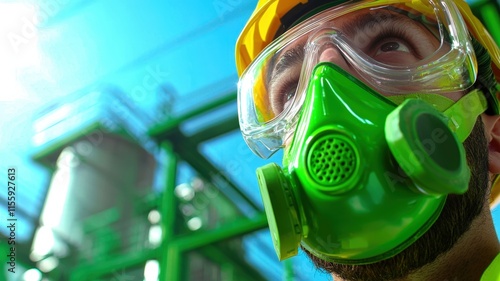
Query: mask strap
[(463, 114)]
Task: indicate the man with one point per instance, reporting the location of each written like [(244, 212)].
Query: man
[(388, 115)]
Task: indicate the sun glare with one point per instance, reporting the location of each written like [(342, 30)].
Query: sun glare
[(18, 48)]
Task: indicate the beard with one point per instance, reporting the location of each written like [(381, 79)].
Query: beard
[(455, 219)]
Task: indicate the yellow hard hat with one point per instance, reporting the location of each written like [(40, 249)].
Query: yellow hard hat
[(272, 16)]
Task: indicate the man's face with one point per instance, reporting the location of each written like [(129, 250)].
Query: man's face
[(455, 219), (390, 38)]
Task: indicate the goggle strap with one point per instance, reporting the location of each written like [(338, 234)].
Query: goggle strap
[(463, 114)]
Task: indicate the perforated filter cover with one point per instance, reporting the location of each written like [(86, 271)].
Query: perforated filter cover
[(331, 160)]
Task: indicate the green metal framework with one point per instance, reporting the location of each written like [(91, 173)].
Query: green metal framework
[(175, 248)]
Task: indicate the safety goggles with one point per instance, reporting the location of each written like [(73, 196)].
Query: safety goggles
[(395, 47)]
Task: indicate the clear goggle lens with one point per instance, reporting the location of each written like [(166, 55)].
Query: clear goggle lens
[(393, 46)]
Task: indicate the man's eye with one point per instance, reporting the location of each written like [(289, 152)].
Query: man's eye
[(394, 51), (287, 98), (392, 46), (283, 97)]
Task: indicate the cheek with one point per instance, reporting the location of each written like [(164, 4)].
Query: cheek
[(396, 58), (455, 95)]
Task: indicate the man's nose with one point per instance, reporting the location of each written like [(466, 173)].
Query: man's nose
[(331, 53)]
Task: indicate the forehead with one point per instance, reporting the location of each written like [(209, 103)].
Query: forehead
[(350, 23)]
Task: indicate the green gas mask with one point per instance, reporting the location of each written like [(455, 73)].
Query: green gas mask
[(364, 177)]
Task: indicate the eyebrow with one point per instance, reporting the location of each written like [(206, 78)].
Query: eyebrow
[(370, 19)]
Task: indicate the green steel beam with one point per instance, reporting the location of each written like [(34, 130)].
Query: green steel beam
[(168, 255), (85, 272), (229, 230), (149, 202), (172, 270), (164, 130), (289, 273), (246, 271), (227, 125), (101, 219), (188, 151), (209, 171), (168, 203)]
